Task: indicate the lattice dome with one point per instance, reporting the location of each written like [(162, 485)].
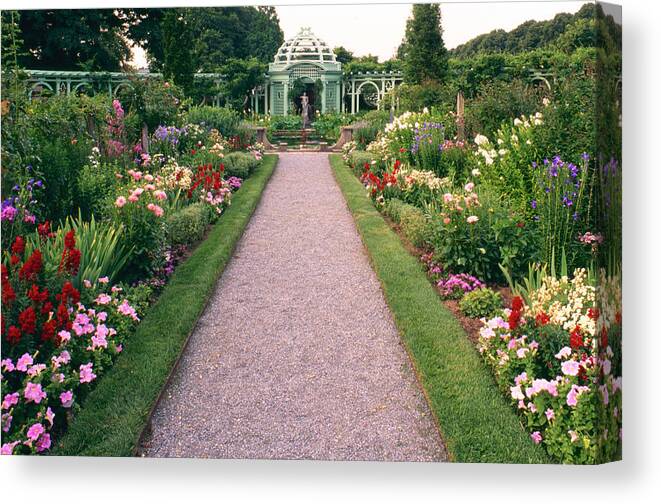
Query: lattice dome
[(305, 46)]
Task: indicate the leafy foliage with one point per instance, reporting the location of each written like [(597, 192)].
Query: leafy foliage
[(425, 55), (480, 303)]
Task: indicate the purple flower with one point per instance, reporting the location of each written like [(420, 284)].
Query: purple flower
[(533, 204)]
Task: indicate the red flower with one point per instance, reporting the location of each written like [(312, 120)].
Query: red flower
[(69, 292), (604, 337), (28, 320), (618, 318), (47, 308), (576, 338), (520, 224), (542, 319), (63, 316), (19, 245), (14, 260), (8, 294), (70, 240), (48, 330), (13, 335), (593, 313), (517, 303), (31, 267), (193, 152), (402, 149), (44, 229), (515, 316)]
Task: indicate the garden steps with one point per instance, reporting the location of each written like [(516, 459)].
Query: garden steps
[(296, 355)]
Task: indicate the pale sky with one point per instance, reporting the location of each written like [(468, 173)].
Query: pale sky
[(379, 28)]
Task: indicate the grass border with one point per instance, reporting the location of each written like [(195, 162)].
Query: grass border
[(475, 421), (117, 410)]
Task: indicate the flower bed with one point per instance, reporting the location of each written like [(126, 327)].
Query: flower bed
[(73, 295), (557, 356)]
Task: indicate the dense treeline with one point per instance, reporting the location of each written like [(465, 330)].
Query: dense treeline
[(565, 31), (101, 39)]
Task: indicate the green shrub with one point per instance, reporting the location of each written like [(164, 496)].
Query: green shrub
[(188, 225), (285, 123), (392, 208), (498, 102), (415, 225), (477, 247), (96, 188), (225, 120), (239, 164), (481, 303)]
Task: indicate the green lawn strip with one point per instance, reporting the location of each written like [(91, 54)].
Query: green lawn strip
[(476, 422), (115, 412)]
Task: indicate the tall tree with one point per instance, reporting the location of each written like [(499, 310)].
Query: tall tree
[(73, 39), (343, 55), (425, 55), (178, 63)]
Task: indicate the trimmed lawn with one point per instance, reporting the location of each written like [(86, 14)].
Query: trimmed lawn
[(114, 414), (475, 421)]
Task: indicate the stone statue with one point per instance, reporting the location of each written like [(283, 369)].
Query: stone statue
[(305, 110)]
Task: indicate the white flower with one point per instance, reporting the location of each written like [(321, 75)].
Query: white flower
[(472, 219), (546, 101), (518, 122), (502, 152), (481, 140), (475, 172)]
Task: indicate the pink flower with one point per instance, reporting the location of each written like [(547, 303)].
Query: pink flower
[(43, 443), (469, 187), (472, 219), (8, 448), (119, 348), (6, 420), (606, 366), (148, 177), (119, 203), (150, 187), (604, 393), (102, 316), (160, 195), (86, 374), (532, 407), (521, 353), (516, 392), (50, 416), (36, 370), (133, 198), (521, 378), (66, 398), (550, 414), (10, 400), (126, 309), (87, 284), (7, 365), (536, 437), (564, 352), (573, 435), (33, 392), (23, 362), (570, 367), (103, 299), (65, 336), (35, 431), (574, 393), (447, 198), (104, 280)]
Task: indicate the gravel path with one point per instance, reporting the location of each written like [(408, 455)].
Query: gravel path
[(296, 355)]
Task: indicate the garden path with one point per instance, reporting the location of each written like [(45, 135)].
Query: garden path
[(297, 355)]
